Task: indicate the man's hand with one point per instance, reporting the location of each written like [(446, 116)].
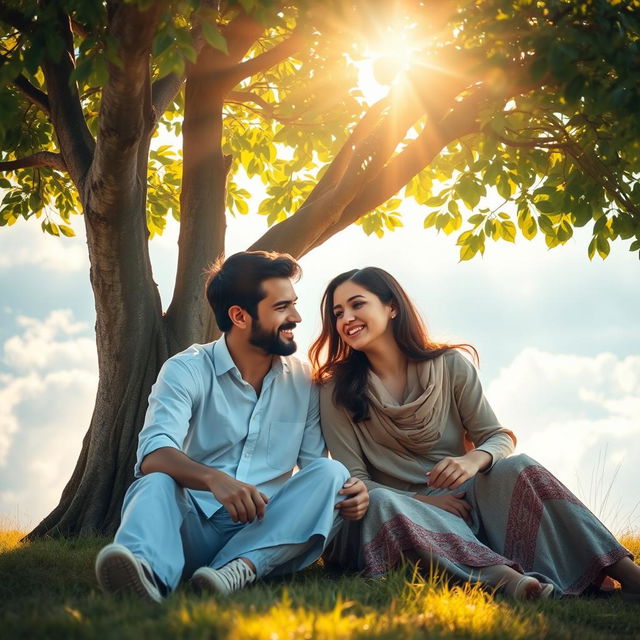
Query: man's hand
[(451, 502), (355, 506), (450, 472), (243, 501)]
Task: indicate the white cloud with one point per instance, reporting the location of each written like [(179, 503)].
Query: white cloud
[(580, 417), (50, 343), (26, 244), (45, 409)]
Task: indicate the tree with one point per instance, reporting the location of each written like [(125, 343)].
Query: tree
[(532, 99)]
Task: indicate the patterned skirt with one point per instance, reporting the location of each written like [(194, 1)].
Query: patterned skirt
[(522, 516)]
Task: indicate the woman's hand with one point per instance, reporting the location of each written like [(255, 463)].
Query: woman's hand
[(450, 472), (355, 506), (451, 502)]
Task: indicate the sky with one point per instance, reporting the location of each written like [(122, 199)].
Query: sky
[(558, 337)]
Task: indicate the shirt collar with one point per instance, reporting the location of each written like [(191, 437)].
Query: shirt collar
[(223, 362)]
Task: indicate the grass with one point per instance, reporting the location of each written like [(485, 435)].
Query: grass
[(48, 590)]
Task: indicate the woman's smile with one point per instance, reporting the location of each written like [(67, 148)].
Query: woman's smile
[(354, 329)]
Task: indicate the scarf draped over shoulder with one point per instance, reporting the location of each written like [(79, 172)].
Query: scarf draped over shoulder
[(416, 424)]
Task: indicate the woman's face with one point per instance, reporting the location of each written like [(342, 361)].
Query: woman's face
[(361, 317)]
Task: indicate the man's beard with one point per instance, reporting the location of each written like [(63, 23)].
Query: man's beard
[(271, 341)]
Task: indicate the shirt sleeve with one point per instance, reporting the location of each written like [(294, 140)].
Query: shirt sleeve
[(313, 445), (477, 416), (169, 413), (342, 441)]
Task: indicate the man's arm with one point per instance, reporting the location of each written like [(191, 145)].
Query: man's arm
[(171, 403), (243, 501)]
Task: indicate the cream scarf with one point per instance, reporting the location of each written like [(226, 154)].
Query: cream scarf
[(414, 426)]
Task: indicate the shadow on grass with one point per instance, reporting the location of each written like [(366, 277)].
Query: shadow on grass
[(48, 590)]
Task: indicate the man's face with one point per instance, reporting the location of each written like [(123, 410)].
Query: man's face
[(277, 317)]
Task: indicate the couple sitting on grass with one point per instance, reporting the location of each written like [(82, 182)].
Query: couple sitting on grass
[(419, 469)]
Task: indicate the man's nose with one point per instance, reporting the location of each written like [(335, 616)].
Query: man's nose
[(294, 316)]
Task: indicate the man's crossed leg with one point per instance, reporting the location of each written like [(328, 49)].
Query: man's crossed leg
[(164, 536)]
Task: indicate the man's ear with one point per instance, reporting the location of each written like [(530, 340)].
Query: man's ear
[(239, 317)]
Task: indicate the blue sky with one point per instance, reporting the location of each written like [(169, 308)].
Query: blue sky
[(558, 336)]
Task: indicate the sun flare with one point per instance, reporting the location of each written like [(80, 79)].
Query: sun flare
[(384, 63)]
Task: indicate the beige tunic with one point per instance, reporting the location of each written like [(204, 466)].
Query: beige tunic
[(467, 414)]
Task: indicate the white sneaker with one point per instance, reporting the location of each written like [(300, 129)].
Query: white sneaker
[(119, 571), (231, 577)]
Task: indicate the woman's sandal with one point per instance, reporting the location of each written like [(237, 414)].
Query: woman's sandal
[(528, 588)]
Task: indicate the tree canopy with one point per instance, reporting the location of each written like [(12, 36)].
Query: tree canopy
[(532, 100), (552, 127)]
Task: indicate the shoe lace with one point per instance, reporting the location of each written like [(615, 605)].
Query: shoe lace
[(238, 573)]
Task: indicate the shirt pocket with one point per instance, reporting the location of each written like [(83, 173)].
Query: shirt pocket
[(283, 444)]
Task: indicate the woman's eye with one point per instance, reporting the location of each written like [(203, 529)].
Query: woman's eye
[(337, 314)]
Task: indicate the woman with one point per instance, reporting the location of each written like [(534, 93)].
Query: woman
[(408, 417)]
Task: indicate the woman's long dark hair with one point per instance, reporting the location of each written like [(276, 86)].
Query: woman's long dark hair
[(334, 360)]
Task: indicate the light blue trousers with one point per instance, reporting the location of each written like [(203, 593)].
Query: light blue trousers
[(163, 524)]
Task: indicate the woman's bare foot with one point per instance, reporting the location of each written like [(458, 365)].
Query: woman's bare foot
[(528, 588)]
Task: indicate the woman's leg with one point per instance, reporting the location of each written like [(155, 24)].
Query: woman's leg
[(530, 517), (627, 573)]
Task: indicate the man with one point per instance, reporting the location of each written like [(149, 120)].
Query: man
[(227, 422)]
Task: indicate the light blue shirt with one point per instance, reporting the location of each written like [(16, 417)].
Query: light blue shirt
[(201, 405)]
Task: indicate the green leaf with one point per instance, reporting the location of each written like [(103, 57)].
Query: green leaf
[(545, 206), (602, 246), (504, 186), (545, 225), (430, 220), (467, 252), (214, 37), (509, 231)]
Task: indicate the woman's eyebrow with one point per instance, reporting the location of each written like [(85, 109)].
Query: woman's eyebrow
[(339, 306)]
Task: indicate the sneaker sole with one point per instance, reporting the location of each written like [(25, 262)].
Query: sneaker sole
[(203, 584), (118, 572)]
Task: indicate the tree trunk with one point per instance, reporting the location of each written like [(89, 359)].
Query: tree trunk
[(92, 499), (132, 345)]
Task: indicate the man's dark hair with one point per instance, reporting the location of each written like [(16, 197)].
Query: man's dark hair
[(238, 281)]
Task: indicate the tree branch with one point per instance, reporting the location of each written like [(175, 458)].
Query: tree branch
[(266, 110), (309, 226), (266, 60), (65, 110), (163, 91), (126, 117), (32, 93), (39, 159), (417, 155)]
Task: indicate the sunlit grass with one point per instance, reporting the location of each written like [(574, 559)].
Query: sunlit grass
[(48, 590), (632, 542), (424, 607), (10, 539)]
